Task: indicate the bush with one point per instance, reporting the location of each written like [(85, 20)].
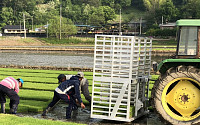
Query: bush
[(161, 33)]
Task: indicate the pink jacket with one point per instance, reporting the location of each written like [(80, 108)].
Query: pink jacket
[(10, 83)]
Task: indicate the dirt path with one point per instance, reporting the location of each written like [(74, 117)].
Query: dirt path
[(19, 41)]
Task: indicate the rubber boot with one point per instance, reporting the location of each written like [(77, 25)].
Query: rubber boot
[(13, 109), (74, 114), (3, 108), (46, 111), (69, 111)]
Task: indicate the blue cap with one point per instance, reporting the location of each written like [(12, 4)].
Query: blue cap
[(21, 80)]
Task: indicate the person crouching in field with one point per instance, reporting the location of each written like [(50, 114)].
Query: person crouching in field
[(68, 91), (83, 86), (10, 87)]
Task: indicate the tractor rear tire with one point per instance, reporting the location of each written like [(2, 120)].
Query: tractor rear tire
[(176, 96)]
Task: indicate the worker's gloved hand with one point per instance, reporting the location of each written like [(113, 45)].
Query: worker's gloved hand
[(77, 103), (82, 105)]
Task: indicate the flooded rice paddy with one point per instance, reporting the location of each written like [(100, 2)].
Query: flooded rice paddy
[(83, 116), (54, 59), (47, 59)]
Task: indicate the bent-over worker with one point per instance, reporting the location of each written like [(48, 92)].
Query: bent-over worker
[(10, 87), (68, 91), (83, 84)]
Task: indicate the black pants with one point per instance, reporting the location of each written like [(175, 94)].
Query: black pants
[(14, 98), (66, 98)]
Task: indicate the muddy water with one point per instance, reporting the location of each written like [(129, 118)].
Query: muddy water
[(54, 59), (83, 116), (47, 59)]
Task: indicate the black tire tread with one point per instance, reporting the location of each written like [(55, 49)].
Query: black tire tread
[(172, 73)]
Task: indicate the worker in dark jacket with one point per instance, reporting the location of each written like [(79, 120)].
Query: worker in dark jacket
[(10, 87), (68, 91), (83, 84)]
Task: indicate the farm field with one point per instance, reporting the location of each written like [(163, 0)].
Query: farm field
[(39, 85)]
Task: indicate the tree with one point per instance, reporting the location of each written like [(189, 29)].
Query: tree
[(77, 2), (191, 9), (179, 3), (45, 12), (109, 3), (139, 4), (116, 4), (66, 3), (109, 13), (96, 17), (101, 15), (95, 3), (123, 3), (152, 6), (86, 11), (7, 16), (168, 11), (67, 27), (19, 6), (74, 13)]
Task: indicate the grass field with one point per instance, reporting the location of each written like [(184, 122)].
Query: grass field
[(39, 85)]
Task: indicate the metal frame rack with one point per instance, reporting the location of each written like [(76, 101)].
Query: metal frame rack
[(120, 77)]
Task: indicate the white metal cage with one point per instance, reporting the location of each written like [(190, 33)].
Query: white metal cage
[(120, 77)]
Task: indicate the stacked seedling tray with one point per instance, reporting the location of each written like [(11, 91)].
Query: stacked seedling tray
[(120, 77)]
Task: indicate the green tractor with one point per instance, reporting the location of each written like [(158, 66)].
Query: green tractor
[(176, 93)]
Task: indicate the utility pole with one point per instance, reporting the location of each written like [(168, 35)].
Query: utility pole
[(120, 32), (60, 18), (32, 23), (20, 25), (47, 30), (24, 26), (162, 22), (141, 26)]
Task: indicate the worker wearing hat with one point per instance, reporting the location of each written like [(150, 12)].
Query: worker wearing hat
[(61, 78), (84, 87), (66, 91), (10, 87), (83, 84)]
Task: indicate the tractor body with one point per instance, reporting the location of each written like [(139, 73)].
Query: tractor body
[(176, 93)]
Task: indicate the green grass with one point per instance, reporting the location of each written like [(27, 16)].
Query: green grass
[(70, 40), (35, 95), (14, 120), (38, 87)]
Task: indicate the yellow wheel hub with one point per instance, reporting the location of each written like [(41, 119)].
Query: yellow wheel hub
[(183, 98)]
